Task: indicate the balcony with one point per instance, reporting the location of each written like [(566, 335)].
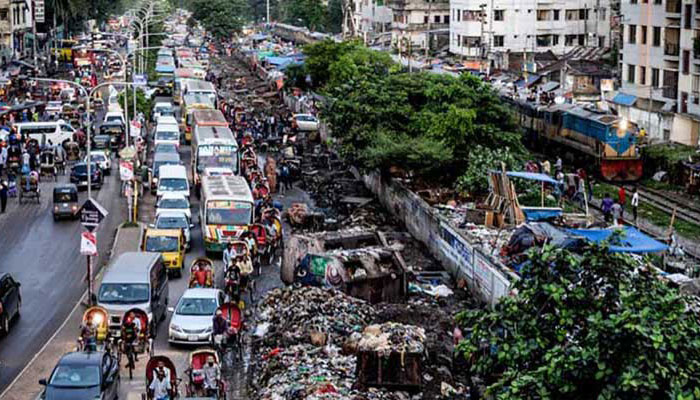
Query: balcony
[(673, 6), (671, 49)]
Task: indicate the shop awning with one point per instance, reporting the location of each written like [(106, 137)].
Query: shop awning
[(624, 99), (532, 176)]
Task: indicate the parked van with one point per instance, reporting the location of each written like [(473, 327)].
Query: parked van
[(173, 179), (56, 131), (134, 280)]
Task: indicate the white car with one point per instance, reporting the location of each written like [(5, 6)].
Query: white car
[(164, 109), (167, 134), (173, 202), (193, 317), (102, 160), (306, 122), (174, 220), (111, 116)]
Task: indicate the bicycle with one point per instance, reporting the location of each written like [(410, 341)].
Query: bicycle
[(130, 358)]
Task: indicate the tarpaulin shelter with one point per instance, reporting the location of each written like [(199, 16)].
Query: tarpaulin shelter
[(631, 241)]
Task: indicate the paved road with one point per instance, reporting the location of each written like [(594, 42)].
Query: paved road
[(44, 257)]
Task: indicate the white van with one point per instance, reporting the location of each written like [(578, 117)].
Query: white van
[(173, 179), (55, 131), (167, 134)]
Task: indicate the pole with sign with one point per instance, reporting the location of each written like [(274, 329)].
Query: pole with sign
[(91, 214)]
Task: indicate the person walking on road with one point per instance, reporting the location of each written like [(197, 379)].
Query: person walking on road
[(3, 196), (635, 204), (621, 199), (3, 158), (606, 206)]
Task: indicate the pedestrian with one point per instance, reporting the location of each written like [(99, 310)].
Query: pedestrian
[(284, 177), (621, 199), (606, 206), (3, 196), (3, 158), (559, 165), (616, 214), (547, 167), (635, 204)]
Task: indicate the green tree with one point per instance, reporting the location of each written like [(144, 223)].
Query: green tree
[(221, 18), (593, 325), (143, 105), (321, 55)]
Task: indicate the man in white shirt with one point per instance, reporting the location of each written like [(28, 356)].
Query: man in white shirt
[(160, 387), (635, 204)]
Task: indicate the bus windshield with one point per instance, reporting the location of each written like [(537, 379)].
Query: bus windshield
[(215, 156), (239, 215)]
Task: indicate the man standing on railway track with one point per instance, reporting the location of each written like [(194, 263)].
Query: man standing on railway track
[(635, 204), (621, 198)]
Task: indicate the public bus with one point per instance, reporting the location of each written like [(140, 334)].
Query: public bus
[(226, 210), (201, 87), (190, 103), (212, 147), (181, 75)]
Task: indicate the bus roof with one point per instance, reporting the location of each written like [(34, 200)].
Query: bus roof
[(213, 135), (184, 73), (203, 99), (198, 85), (226, 187), (209, 118)]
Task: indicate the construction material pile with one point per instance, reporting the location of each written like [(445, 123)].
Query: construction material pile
[(293, 314)]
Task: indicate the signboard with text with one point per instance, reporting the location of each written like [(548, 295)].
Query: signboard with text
[(88, 244), (39, 11), (91, 214)]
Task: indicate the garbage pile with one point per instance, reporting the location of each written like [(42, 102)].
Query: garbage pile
[(390, 337), (294, 314)]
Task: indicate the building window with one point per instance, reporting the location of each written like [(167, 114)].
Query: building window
[(555, 40), (459, 15), (581, 40), (436, 19), (601, 16), (24, 16), (570, 40), (471, 15), (556, 15), (3, 14), (686, 62), (544, 40), (657, 1), (583, 14), (446, 18), (632, 34), (687, 16), (642, 75), (601, 41), (571, 15), (498, 15), (645, 1), (630, 73), (655, 77), (471, 41), (656, 36), (544, 15), (633, 1), (426, 19), (498, 41)]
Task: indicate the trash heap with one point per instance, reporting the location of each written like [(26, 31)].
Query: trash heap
[(293, 314), (389, 337)]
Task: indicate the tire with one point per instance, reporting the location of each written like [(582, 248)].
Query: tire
[(5, 325), (19, 305)]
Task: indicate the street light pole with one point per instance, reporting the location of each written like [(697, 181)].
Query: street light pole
[(126, 91)]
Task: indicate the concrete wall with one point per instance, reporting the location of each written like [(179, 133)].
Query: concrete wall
[(459, 256)]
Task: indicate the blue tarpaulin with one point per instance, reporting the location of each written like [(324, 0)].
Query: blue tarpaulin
[(165, 68), (539, 214), (532, 176), (632, 241), (624, 99), (284, 62)]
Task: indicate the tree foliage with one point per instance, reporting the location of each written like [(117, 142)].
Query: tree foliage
[(587, 326), (221, 18), (426, 123)]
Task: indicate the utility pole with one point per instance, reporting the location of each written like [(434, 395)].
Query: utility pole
[(34, 45), (427, 32), (267, 12)]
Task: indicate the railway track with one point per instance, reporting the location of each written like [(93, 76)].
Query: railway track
[(667, 203)]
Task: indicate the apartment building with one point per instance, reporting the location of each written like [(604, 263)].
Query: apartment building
[(660, 68), (21, 22), (481, 29), (5, 31), (419, 22), (371, 16)]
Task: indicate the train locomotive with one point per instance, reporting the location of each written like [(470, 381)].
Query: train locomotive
[(607, 141)]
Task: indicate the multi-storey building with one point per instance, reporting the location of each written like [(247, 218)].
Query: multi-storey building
[(5, 31), (419, 22), (660, 68), (485, 29), (21, 22), (371, 16)]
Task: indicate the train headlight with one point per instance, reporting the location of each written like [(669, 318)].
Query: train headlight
[(624, 124)]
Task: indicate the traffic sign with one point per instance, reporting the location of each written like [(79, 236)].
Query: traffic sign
[(126, 170), (140, 79), (91, 214), (88, 244)]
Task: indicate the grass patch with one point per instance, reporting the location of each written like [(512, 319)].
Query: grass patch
[(648, 212)]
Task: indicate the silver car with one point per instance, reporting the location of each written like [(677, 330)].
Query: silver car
[(193, 317), (174, 220)]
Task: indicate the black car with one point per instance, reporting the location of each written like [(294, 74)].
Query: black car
[(115, 130), (100, 142), (78, 175), (83, 376), (10, 301)]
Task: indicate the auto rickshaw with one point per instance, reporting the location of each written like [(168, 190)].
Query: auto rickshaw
[(72, 152), (65, 201), (171, 244)]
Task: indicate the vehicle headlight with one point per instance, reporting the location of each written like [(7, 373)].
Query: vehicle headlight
[(208, 330), (176, 327), (55, 208)]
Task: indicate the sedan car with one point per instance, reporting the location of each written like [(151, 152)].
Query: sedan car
[(305, 122), (100, 158), (192, 319), (10, 301), (79, 175), (174, 220), (173, 202), (83, 376)]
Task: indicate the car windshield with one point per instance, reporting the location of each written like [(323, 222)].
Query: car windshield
[(167, 135), (76, 376), (114, 118), (171, 222), (173, 203), (161, 244), (165, 148), (172, 184), (97, 157), (192, 306), (229, 216), (82, 168), (123, 293), (65, 197)]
